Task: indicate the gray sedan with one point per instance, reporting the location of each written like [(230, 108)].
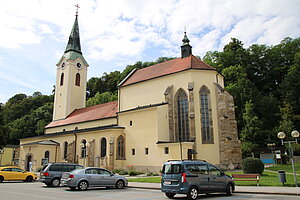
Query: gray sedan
[(93, 177)]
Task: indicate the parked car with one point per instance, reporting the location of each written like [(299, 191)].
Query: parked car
[(51, 174), (93, 177), (9, 173), (194, 177)]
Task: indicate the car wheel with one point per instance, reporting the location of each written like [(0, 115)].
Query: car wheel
[(55, 182), (120, 184), (170, 195), (1, 179), (229, 189), (28, 179), (83, 185), (192, 193), (72, 188)]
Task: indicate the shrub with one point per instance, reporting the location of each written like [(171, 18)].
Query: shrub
[(120, 171), (134, 173), (296, 149), (253, 165)]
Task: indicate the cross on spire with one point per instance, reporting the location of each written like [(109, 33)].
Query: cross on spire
[(77, 6)]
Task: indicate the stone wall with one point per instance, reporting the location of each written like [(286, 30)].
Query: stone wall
[(229, 144)]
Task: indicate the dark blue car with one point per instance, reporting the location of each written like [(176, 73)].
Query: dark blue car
[(194, 177)]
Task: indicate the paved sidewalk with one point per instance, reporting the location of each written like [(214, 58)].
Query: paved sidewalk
[(239, 189)]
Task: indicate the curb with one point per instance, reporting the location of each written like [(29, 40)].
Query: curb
[(246, 192)]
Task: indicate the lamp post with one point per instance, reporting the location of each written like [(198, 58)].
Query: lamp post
[(84, 147), (295, 134), (1, 153)]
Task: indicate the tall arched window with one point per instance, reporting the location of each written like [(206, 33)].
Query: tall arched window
[(182, 111), (65, 149), (121, 148), (103, 147), (83, 149), (47, 155), (62, 79), (77, 79), (206, 119)]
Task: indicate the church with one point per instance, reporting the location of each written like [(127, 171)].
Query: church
[(173, 110)]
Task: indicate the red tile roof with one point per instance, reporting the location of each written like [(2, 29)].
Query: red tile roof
[(100, 111), (165, 68)]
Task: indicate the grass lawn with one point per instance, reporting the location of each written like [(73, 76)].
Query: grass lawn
[(286, 168), (267, 179)]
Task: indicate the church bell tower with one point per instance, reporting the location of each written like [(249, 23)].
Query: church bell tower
[(71, 77)]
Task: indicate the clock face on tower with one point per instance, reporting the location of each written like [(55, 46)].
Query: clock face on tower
[(78, 65)]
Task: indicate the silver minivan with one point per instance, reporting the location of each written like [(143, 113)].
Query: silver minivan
[(193, 177)]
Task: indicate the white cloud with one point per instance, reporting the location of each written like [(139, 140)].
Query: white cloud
[(118, 32)]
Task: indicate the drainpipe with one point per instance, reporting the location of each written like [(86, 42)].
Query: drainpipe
[(56, 153), (75, 147)]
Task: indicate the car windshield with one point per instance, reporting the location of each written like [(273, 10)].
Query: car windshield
[(172, 169)]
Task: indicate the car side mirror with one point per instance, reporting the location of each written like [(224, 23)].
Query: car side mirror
[(222, 174), (111, 174), (24, 171)]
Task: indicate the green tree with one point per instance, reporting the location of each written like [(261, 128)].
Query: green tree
[(252, 130), (100, 98)]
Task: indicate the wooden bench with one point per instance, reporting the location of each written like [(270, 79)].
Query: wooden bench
[(246, 177)]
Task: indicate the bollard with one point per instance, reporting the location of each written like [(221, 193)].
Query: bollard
[(282, 177)]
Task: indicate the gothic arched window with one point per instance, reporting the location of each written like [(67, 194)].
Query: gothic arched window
[(61, 79), (206, 116), (77, 79), (83, 149), (103, 147), (47, 155), (121, 148), (182, 113), (65, 149)]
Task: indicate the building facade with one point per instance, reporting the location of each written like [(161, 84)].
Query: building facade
[(174, 110)]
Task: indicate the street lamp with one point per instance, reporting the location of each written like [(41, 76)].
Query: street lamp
[(295, 134), (84, 146)]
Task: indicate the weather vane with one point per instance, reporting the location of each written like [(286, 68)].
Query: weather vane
[(77, 6)]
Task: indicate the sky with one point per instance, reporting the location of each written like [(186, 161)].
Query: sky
[(117, 33)]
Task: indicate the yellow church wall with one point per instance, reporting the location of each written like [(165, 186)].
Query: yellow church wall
[(89, 124), (209, 152), (56, 153), (152, 92)]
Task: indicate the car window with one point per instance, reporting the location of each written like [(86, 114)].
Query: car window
[(55, 168), (6, 170), (91, 171), (16, 170), (104, 172), (214, 171), (197, 169), (67, 168), (172, 169), (78, 167)]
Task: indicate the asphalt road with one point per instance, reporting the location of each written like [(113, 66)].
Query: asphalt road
[(36, 190)]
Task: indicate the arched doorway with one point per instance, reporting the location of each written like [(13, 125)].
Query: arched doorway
[(28, 162)]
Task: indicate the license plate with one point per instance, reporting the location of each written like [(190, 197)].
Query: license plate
[(168, 182)]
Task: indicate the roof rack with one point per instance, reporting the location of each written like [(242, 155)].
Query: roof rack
[(189, 160)]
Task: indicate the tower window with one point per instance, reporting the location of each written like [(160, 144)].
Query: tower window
[(133, 152), (146, 151), (77, 80), (61, 79)]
